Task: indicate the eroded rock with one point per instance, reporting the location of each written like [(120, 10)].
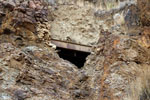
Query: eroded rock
[(30, 69), (117, 62)]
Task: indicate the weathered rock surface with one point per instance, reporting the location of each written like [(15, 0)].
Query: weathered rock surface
[(25, 16), (30, 69), (81, 22), (32, 73), (75, 24), (117, 61), (144, 6)]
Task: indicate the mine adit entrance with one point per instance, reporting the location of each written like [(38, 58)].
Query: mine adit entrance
[(76, 57), (75, 53)]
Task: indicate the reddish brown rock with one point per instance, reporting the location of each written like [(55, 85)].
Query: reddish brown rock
[(144, 6), (31, 70), (116, 64), (24, 17)]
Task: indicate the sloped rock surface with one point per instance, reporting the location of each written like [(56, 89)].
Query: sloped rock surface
[(31, 70), (32, 73), (115, 64)]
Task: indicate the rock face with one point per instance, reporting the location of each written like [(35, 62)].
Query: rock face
[(32, 73), (144, 6), (30, 68), (81, 21), (25, 15), (75, 24), (116, 63)]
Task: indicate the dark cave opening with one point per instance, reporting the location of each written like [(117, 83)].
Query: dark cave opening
[(78, 58), (7, 31)]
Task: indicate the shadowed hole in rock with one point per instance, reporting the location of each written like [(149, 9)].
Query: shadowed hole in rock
[(78, 58), (7, 31)]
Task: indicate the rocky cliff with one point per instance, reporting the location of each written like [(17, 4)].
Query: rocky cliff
[(116, 69)]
